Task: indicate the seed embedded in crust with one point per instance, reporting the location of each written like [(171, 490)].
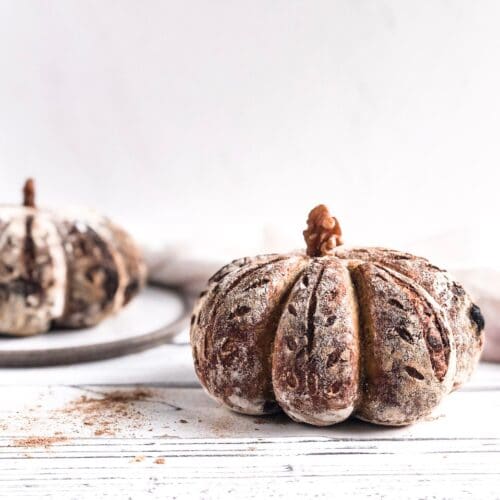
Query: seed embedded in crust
[(242, 310), (405, 334), (413, 372), (396, 303)]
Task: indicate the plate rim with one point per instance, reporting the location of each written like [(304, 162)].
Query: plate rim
[(58, 356)]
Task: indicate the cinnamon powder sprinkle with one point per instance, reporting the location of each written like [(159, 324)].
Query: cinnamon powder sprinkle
[(39, 441), (106, 412)]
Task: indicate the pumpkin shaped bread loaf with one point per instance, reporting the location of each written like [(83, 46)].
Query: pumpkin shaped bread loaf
[(333, 332), (67, 270)]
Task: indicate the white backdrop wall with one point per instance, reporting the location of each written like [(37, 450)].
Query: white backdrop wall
[(223, 122)]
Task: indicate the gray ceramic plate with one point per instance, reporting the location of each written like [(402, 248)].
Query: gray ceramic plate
[(156, 316)]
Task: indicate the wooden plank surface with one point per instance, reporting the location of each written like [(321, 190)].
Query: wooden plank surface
[(90, 431)]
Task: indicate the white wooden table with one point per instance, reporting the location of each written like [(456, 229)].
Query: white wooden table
[(171, 441)]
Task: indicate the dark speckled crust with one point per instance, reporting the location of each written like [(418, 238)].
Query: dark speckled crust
[(419, 336)]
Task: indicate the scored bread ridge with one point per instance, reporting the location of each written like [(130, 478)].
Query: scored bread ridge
[(284, 331), (105, 268), (456, 304), (316, 352), (411, 366), (96, 269), (32, 272), (233, 330)]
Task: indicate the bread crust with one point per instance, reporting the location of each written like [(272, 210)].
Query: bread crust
[(372, 332), (70, 270)]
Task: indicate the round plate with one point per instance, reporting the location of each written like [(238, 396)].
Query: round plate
[(154, 317)]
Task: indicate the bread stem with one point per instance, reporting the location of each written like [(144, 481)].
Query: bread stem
[(29, 193), (323, 232)]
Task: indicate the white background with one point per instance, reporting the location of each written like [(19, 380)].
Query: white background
[(221, 123)]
